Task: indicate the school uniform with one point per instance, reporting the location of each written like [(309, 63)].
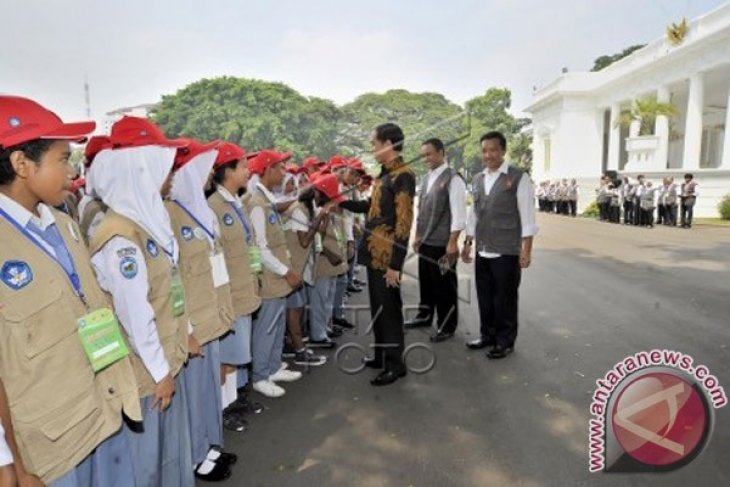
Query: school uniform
[(268, 329), (302, 258), (322, 297), (66, 417), (688, 199), (343, 234), (208, 300)]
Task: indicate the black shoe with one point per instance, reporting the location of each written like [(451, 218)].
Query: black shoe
[(499, 352), (226, 458), (343, 323), (478, 344), (388, 377), (354, 289), (372, 363), (326, 343), (441, 336), (359, 282), (288, 351), (335, 332), (243, 405), (233, 421), (308, 359), (419, 322), (220, 472)]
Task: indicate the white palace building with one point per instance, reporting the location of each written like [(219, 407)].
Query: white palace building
[(575, 129)]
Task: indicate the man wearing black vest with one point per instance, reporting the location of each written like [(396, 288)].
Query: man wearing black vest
[(501, 225), (441, 218)]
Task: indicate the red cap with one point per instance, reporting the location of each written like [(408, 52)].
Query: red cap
[(193, 148), (23, 120), (229, 152), (337, 162), (292, 168), (76, 184), (266, 158), (95, 145), (357, 165), (330, 186), (310, 162), (137, 132)]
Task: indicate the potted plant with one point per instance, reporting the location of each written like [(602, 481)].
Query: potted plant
[(644, 111)]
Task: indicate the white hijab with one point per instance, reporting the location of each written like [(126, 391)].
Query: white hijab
[(188, 188), (279, 192), (129, 181)]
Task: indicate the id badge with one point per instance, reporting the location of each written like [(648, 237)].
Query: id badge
[(318, 243), (254, 259), (340, 236), (178, 293), (101, 338), (220, 271)]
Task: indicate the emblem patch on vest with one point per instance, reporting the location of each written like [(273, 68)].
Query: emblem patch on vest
[(227, 219), (16, 274), (272, 218), (128, 267), (152, 248), (187, 233)]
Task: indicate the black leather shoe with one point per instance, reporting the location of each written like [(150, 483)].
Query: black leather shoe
[(354, 289), (418, 322), (478, 344), (372, 363), (388, 377), (343, 323), (220, 472), (441, 336), (227, 458), (499, 352)]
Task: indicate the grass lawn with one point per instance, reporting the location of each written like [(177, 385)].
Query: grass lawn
[(711, 221)]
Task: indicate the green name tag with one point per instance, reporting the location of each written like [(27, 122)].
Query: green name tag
[(318, 243), (340, 236), (101, 338), (178, 294), (254, 259)]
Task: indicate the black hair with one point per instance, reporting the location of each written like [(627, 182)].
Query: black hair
[(390, 132), (33, 150), (689, 175), (495, 135), (436, 143), (219, 175), (306, 198)]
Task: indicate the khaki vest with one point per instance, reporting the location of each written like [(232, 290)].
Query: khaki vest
[(210, 309), (172, 332), (272, 286), (299, 255), (244, 284), (93, 208), (61, 410), (323, 268)]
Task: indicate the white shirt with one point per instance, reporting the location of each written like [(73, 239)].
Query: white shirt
[(457, 196), (129, 295), (525, 205), (258, 220), (6, 457), (22, 217)]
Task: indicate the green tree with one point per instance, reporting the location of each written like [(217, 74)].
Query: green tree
[(645, 111), (489, 111), (255, 114), (605, 61), (420, 115)]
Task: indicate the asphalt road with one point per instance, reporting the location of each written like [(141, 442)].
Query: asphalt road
[(595, 294)]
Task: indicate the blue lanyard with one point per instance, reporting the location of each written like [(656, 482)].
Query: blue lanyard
[(73, 276), (240, 216), (210, 234)]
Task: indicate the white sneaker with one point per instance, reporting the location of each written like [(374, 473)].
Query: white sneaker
[(268, 388), (286, 376)]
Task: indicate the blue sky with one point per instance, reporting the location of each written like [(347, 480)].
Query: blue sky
[(135, 51)]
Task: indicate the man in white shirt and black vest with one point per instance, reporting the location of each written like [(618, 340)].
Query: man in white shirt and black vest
[(441, 219), (502, 223)]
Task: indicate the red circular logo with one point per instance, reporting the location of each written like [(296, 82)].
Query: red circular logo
[(660, 419)]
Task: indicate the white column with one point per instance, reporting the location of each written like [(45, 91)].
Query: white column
[(725, 164), (661, 130), (693, 125), (614, 138)]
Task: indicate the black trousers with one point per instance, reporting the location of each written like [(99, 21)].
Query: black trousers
[(386, 308), (687, 214), (573, 205), (497, 283), (439, 292), (628, 212)]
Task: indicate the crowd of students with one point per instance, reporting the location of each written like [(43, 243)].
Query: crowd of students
[(641, 203), (176, 278), (559, 197)]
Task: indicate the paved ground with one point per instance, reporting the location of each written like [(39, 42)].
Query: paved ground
[(595, 294)]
